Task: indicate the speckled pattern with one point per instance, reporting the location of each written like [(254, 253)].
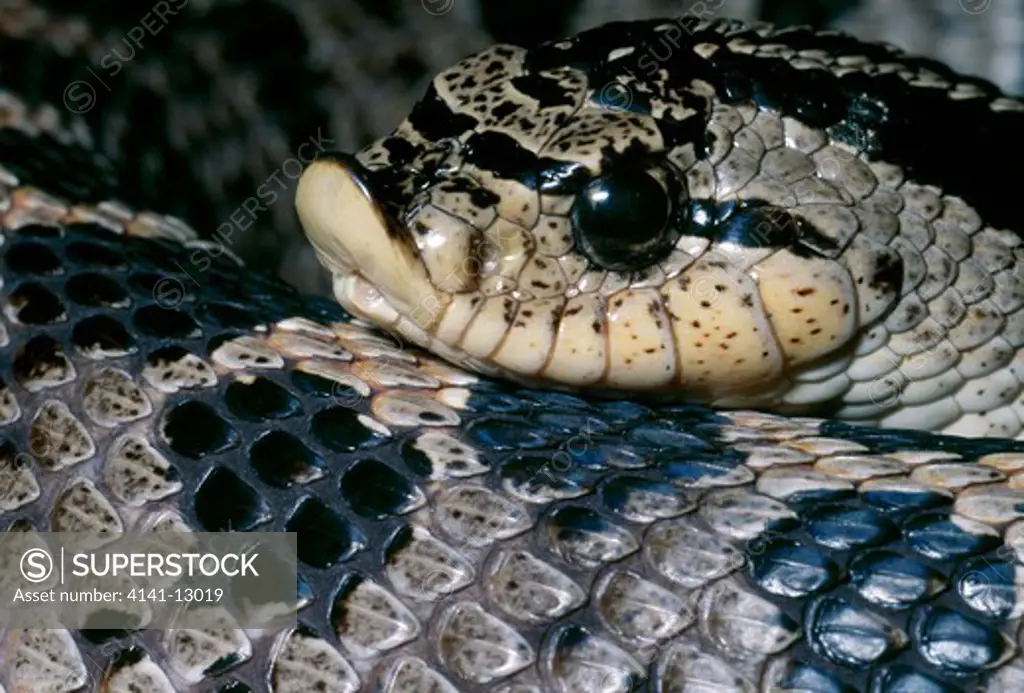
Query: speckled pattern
[(222, 120), (815, 253), (514, 540)]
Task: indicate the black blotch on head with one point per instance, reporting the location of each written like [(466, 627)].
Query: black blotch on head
[(548, 92), (435, 120)]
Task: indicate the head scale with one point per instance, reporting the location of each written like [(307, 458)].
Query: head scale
[(557, 216)]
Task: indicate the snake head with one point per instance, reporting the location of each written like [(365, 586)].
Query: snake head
[(557, 218)]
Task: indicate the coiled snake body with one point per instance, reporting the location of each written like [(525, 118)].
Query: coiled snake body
[(460, 533)]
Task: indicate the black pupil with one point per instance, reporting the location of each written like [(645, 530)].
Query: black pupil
[(621, 221)]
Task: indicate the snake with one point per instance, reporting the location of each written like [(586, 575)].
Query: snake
[(677, 355)]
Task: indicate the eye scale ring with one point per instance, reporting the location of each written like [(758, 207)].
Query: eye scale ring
[(626, 220)]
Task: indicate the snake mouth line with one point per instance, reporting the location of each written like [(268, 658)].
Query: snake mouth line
[(376, 276), (380, 277), (354, 237)]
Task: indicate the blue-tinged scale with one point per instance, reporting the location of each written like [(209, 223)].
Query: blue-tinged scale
[(509, 434), (802, 677), (938, 536), (851, 635), (898, 498), (956, 644), (894, 581), (903, 679), (666, 439), (544, 477), (787, 569), (989, 585), (644, 500), (844, 527)]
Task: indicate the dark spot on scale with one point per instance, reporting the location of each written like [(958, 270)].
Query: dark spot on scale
[(653, 307), (527, 313), (650, 350), (888, 273), (510, 310), (705, 304), (618, 303), (539, 284), (596, 325), (493, 67), (574, 310), (797, 310), (747, 300), (806, 291), (483, 198), (720, 288), (833, 302), (795, 340), (684, 283), (816, 330), (846, 308), (696, 324)]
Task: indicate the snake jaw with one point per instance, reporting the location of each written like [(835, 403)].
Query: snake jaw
[(378, 274)]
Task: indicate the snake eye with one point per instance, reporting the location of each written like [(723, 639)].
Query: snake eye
[(624, 221)]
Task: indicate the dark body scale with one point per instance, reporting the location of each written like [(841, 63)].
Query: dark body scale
[(235, 475)]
